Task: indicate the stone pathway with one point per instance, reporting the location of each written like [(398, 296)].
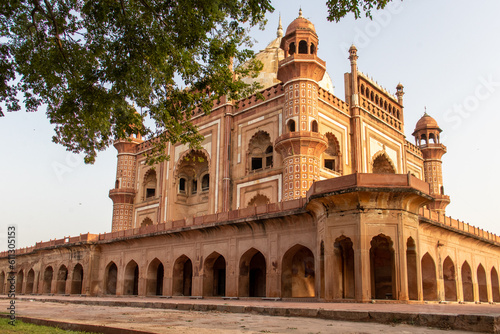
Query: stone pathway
[(176, 315)]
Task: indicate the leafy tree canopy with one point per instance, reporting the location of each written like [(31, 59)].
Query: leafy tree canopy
[(337, 9), (102, 66)]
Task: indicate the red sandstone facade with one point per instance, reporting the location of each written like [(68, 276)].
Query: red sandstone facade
[(299, 195)]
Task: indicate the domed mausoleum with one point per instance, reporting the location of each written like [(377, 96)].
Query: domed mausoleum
[(304, 194)]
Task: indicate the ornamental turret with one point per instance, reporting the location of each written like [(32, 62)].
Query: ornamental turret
[(301, 144), (427, 138)]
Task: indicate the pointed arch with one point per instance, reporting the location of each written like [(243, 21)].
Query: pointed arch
[(48, 274), (467, 284), (382, 266), (260, 151), (303, 47), (411, 268), (62, 277), (30, 281), (150, 183), (429, 278), (214, 275), (77, 280), (155, 277), (110, 279), (382, 164), (2, 282), (252, 276), (481, 284), (192, 180), (298, 272), (131, 279), (314, 126), (19, 281), (343, 252), (495, 288), (332, 157), (449, 277), (182, 276)]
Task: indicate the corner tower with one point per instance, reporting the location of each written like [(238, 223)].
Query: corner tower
[(427, 138), (124, 192), (300, 145)]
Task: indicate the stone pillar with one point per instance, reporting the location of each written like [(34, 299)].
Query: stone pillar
[(460, 287), (330, 265), (362, 265)]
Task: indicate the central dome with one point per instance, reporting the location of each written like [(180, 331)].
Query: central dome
[(272, 54), (300, 23)]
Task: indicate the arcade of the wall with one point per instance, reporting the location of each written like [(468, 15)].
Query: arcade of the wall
[(272, 238), (441, 243)]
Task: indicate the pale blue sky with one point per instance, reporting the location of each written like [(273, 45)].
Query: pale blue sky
[(445, 53)]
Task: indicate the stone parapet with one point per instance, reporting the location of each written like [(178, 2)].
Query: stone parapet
[(457, 225)]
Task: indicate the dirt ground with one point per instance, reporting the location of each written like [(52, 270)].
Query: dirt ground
[(190, 322)]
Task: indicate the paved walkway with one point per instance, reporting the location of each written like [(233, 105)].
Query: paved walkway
[(178, 315)]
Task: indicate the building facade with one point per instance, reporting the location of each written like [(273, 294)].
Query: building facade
[(300, 195)]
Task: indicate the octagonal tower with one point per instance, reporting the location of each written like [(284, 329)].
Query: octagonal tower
[(301, 144), (427, 138)]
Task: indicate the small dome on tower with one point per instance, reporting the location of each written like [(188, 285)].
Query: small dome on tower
[(300, 23), (426, 122)]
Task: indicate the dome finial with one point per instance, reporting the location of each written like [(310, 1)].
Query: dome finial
[(279, 33), (300, 12)]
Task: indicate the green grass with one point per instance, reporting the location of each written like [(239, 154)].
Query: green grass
[(24, 328)]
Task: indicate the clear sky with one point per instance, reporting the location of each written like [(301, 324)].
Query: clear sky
[(445, 53)]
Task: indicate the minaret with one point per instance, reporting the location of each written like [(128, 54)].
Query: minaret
[(124, 192), (356, 124), (301, 144), (427, 138)]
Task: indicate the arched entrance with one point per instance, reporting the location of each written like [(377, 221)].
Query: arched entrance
[(2, 282), (411, 269), (111, 279), (382, 268), (481, 284), (154, 283), (19, 281), (131, 279), (467, 285), (495, 289), (429, 281), (182, 277), (297, 273), (62, 277), (30, 281), (252, 279), (77, 281), (48, 274), (450, 284), (344, 258), (214, 278)]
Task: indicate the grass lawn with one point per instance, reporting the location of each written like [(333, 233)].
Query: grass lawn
[(24, 328)]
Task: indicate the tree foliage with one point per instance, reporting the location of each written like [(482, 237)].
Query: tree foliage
[(102, 66), (337, 9)]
